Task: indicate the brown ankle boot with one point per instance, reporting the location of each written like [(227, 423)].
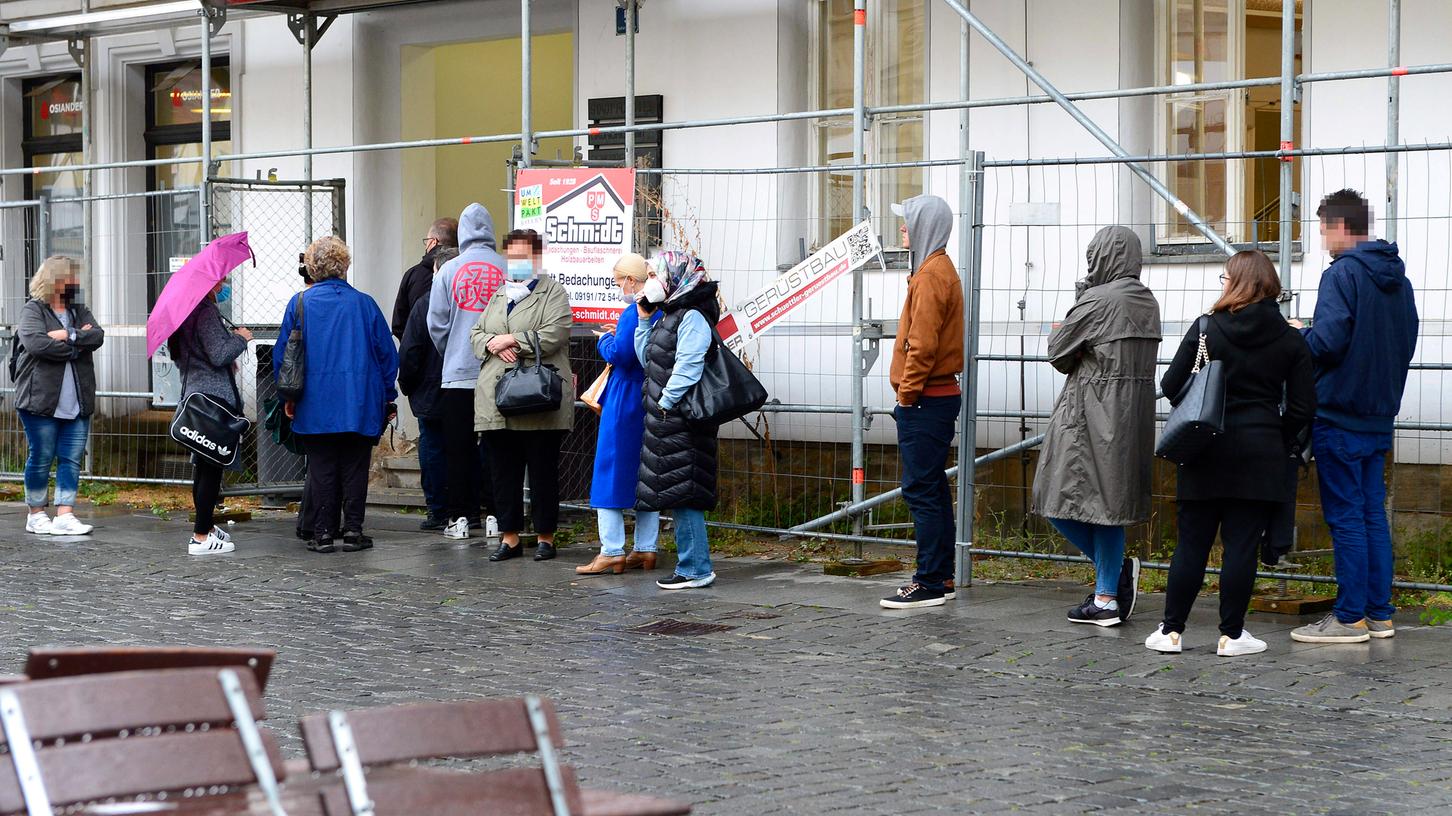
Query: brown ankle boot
[(645, 561), (603, 564)]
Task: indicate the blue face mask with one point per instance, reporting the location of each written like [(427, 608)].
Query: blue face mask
[(521, 270), (225, 294)]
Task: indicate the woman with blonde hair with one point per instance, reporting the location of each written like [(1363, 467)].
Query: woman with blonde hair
[(1235, 485), (55, 392), (622, 426)]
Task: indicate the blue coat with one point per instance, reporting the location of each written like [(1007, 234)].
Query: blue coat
[(622, 418), (351, 361)]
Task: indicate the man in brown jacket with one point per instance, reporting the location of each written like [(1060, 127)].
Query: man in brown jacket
[(926, 361)]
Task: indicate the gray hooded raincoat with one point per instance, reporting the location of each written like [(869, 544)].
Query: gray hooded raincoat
[(1099, 446)]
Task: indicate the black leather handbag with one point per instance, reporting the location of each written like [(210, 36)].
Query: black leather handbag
[(209, 429), (535, 389), (293, 371), (727, 389), (1198, 413)]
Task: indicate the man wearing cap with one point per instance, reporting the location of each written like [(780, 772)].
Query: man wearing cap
[(927, 358)]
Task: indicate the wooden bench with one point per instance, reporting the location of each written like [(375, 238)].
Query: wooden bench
[(126, 734), (49, 662), (348, 742)]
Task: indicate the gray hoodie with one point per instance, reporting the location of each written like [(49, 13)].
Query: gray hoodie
[(461, 290), (929, 223)]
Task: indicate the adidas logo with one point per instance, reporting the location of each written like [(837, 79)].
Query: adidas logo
[(201, 439)]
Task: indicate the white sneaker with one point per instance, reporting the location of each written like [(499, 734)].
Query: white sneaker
[(491, 527), (1244, 645), (1162, 641), (67, 524), (221, 534), (212, 546), (457, 529), (38, 523)]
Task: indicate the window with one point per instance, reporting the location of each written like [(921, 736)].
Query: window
[(174, 130), (52, 138), (1217, 41), (896, 73)]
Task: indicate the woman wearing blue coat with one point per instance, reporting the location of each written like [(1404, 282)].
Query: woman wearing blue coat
[(617, 449), (348, 391)]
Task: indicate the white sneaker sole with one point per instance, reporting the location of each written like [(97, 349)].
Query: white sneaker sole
[(85, 530), (1330, 638), (1380, 635), (698, 583), (1226, 648), (888, 604), (456, 536), (1105, 622), (217, 551), (1168, 648)]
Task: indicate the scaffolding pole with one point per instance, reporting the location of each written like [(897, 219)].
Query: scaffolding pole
[(526, 80), (1089, 124), (1290, 92), (972, 202), (630, 12), (1393, 115), (859, 360), (204, 229)]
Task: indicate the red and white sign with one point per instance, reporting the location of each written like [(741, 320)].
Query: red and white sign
[(794, 287), (586, 219)]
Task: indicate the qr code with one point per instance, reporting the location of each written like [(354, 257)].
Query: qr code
[(859, 246)]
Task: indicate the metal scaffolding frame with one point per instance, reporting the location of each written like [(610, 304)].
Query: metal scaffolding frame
[(309, 19)]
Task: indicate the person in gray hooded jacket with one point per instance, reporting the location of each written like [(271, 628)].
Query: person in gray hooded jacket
[(461, 290), (1093, 476)]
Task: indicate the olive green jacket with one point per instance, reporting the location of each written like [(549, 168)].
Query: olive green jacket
[(546, 313)]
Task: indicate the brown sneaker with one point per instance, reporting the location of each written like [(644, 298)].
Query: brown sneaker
[(642, 561), (603, 564), (1380, 629)]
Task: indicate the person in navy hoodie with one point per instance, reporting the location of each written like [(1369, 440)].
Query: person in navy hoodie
[(1362, 339)]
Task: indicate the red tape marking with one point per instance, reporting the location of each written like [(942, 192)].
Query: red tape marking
[(468, 139), (858, 476), (1400, 70), (1288, 146), (859, 17)]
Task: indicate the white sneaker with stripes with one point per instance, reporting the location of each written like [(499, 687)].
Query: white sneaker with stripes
[(212, 546)]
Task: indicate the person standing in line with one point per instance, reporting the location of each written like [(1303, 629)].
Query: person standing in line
[(461, 290), (348, 391), (1094, 475), (205, 353), (419, 279), (419, 371), (927, 358), (1362, 337), (1236, 484), (531, 311), (677, 460), (622, 426), (55, 392)]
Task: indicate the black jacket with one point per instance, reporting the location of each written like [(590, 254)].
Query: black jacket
[(41, 367), (1267, 363), (420, 368), (415, 284), (677, 461)]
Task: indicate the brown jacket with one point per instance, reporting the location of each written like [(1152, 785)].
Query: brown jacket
[(927, 356)]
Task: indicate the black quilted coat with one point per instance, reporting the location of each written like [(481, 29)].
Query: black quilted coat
[(677, 462)]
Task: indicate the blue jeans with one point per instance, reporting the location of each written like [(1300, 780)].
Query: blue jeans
[(612, 531), (693, 552), (62, 441), (924, 437), (1105, 547), (432, 466), (1351, 467)]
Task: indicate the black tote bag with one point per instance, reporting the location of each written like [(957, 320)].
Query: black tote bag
[(209, 429), (293, 371), (535, 389), (727, 389), (1198, 413)]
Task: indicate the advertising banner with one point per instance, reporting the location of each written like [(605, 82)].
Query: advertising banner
[(585, 216), (797, 285)]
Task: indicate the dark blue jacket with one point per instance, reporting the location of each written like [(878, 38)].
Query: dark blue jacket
[(1362, 338), (351, 363), (622, 417)]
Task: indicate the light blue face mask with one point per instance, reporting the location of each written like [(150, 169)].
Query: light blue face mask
[(521, 270), (225, 294)]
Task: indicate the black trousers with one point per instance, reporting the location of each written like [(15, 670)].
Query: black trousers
[(511, 453), (465, 454), (307, 507), (206, 489), (1241, 524), (338, 477)]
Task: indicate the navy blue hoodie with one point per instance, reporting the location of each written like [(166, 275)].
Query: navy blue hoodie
[(1363, 337)]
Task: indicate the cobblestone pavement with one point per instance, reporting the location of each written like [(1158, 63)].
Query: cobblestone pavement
[(815, 702)]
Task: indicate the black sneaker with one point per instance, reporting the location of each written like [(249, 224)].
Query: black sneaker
[(678, 581), (433, 523), (1090, 612), (1128, 591), (353, 542), (321, 544), (913, 596)]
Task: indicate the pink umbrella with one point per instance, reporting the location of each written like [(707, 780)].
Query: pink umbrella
[(191, 283)]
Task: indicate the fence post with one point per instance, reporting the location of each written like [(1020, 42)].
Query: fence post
[(971, 244), (859, 361), (1289, 91), (204, 229), (1393, 116)]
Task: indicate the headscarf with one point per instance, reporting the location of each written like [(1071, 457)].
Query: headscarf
[(679, 272)]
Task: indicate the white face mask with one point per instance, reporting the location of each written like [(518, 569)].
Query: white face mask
[(653, 291), (516, 291)]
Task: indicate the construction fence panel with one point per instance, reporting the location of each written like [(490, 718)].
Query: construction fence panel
[(22, 247)]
